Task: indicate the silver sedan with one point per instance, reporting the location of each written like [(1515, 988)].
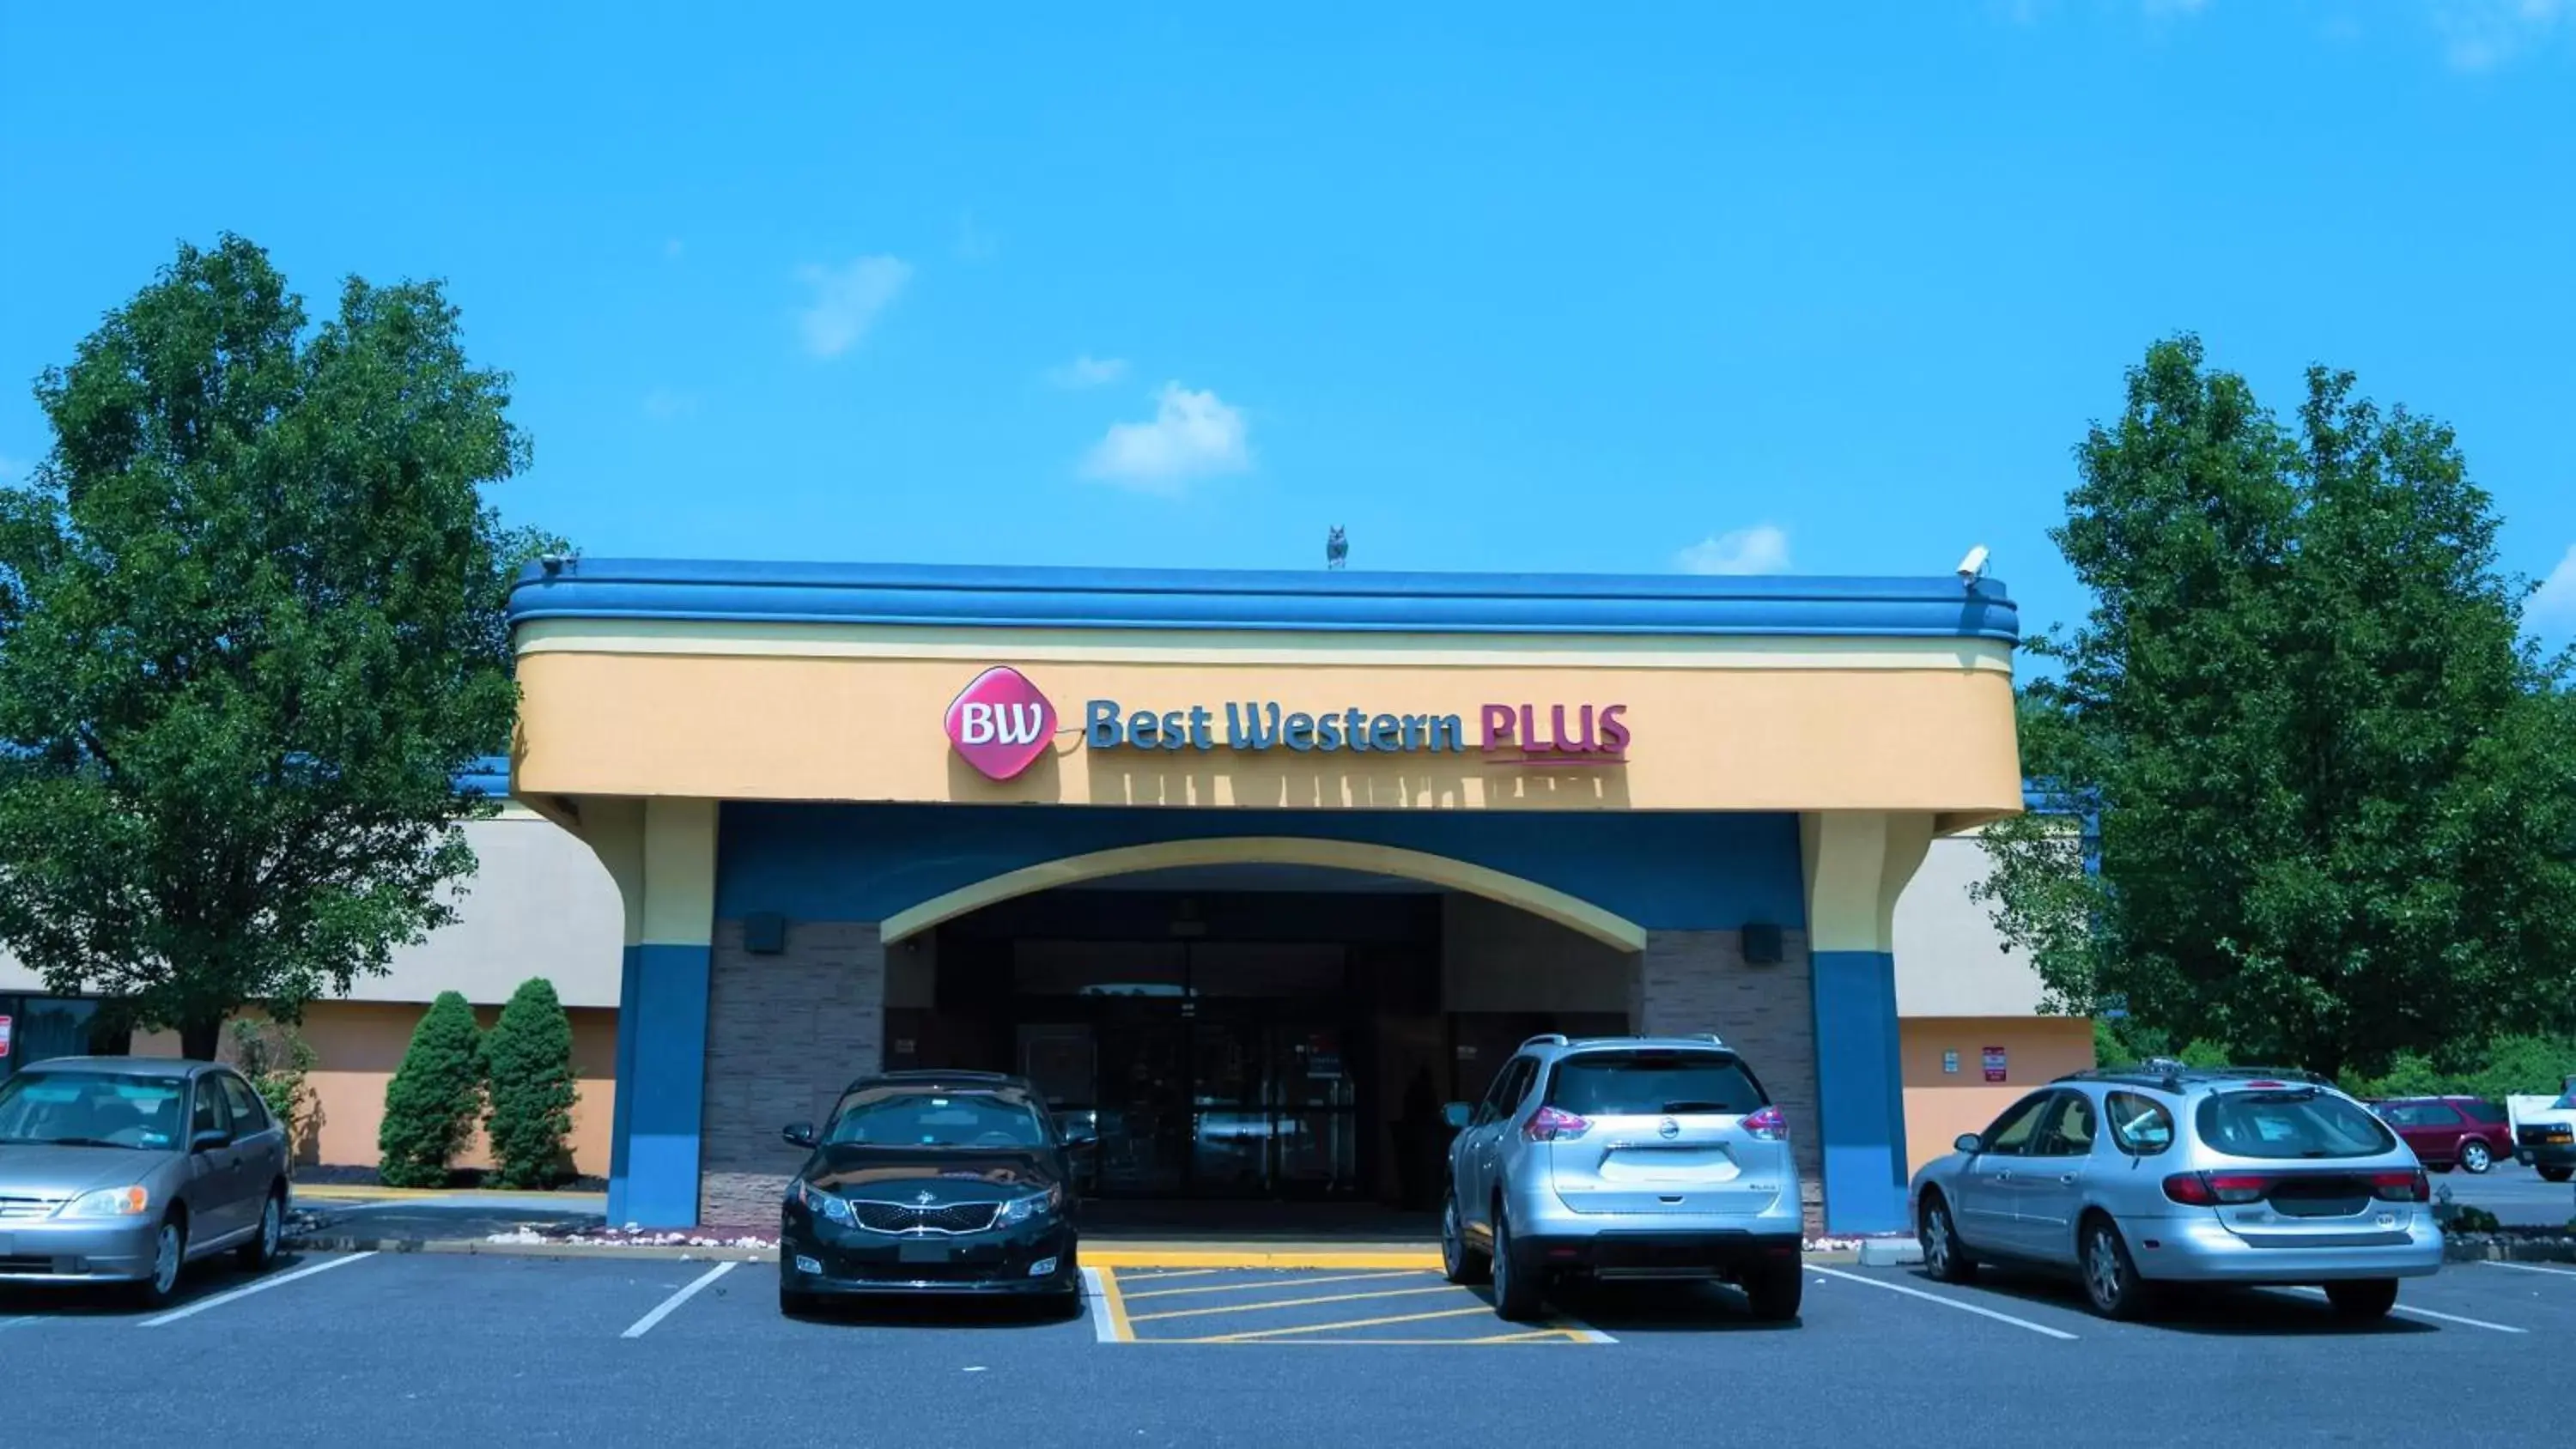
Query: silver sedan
[(2166, 1174), (125, 1169)]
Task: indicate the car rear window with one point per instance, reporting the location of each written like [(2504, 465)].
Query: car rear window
[(2291, 1124), (2488, 1112), (1649, 1084)]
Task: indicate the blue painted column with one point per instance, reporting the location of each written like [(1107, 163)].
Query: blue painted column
[(662, 854), (1857, 862), (1860, 1091)]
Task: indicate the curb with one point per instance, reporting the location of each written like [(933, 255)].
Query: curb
[(349, 1192), (1131, 1259), (2558, 1252)]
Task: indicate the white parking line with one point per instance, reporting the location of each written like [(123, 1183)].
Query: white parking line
[(1095, 1301), (2412, 1312), (2543, 1269), (2039, 1328), (247, 1289), (644, 1325)]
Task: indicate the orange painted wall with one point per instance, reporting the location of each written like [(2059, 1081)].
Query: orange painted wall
[(1936, 739), (360, 1043), (1939, 1105)]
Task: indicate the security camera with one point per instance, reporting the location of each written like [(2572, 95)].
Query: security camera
[(1973, 567)]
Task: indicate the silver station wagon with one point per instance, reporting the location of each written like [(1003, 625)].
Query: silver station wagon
[(125, 1169), (2166, 1174)]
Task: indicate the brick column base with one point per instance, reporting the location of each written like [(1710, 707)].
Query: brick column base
[(1694, 981), (785, 1035)]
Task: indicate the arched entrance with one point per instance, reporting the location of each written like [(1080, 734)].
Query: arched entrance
[(1247, 1019)]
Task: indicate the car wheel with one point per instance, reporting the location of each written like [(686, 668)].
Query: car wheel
[(261, 1250), (2557, 1174), (169, 1257), (2363, 1300), (1458, 1262), (2474, 1156), (1945, 1258), (1516, 1287), (2111, 1280), (1775, 1290)]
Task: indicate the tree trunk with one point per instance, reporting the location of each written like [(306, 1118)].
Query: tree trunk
[(201, 1038)]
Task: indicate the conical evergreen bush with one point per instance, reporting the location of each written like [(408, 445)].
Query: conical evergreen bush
[(436, 1094), (527, 1071)]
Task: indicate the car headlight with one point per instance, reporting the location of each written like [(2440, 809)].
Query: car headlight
[(825, 1204), (110, 1202), (1035, 1205)]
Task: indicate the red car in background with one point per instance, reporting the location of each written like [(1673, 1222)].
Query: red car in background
[(2448, 1132)]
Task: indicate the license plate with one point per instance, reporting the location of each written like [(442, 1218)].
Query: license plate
[(921, 1252)]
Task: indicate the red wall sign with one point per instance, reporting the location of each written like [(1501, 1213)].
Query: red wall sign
[(1994, 1064), (4, 1036)]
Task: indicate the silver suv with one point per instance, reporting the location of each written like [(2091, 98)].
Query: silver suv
[(2172, 1174), (1623, 1157)]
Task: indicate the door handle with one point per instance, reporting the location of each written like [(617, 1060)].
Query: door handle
[(2066, 1177)]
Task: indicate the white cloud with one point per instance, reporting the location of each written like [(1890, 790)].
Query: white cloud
[(663, 404), (2479, 35), (2556, 599), (1762, 549), (848, 300), (1087, 371), (1194, 434)]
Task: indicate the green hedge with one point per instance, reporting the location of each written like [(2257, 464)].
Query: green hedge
[(527, 1069), (436, 1094)]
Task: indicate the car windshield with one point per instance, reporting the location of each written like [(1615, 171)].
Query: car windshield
[(91, 1109), (911, 1118), (1650, 1084), (2292, 1124), (2566, 1103)]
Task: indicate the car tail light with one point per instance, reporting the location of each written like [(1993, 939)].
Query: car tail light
[(2217, 1189), (2190, 1189), (2401, 1186), (1554, 1124), (1767, 1125)]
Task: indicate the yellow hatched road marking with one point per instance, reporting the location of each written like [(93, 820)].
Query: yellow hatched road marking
[(1157, 1275), (1261, 1283), (1259, 1333), (1296, 1303), (1114, 1303)]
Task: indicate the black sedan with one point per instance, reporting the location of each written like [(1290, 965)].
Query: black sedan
[(931, 1182)]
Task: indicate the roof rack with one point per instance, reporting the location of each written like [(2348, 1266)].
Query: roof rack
[(1545, 1038), (2170, 1075)]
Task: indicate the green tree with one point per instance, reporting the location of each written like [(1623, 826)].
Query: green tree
[(2337, 814), (434, 1098), (251, 626), (527, 1070)]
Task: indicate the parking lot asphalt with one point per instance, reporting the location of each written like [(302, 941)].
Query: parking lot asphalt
[(397, 1349), (2514, 1193)]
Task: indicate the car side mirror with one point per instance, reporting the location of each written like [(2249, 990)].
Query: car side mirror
[(1081, 1134), (210, 1140), (798, 1134), (1457, 1114), (1970, 1143)]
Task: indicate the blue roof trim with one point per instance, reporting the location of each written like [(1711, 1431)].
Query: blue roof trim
[(982, 596), (487, 776)]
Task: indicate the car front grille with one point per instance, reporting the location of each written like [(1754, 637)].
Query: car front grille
[(21, 1207), (2544, 1134), (905, 1217)]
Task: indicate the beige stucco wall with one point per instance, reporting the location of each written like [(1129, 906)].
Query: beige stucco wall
[(1940, 1105), (358, 1045), (540, 904), (1950, 959)]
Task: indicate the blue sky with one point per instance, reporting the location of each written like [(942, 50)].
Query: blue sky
[(1502, 286)]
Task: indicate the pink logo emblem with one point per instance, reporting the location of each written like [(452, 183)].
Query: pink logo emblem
[(1000, 724)]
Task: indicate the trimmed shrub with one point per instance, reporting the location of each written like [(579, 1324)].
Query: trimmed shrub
[(436, 1094), (527, 1070)]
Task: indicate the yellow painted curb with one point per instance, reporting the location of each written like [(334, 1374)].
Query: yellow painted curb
[(1134, 1258), (356, 1192)]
